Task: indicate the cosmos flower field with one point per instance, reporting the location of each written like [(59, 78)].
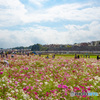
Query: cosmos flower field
[(38, 78)]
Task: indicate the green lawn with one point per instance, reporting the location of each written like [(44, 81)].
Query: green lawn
[(72, 55)]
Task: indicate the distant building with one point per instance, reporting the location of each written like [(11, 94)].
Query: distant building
[(76, 44), (95, 43), (84, 44)]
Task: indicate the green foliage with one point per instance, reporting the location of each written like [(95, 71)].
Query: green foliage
[(38, 47)]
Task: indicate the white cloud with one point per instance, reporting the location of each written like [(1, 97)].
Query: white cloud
[(13, 12), (38, 2), (85, 32), (47, 35), (76, 12)]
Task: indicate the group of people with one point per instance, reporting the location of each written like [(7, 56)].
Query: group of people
[(77, 56), (52, 56), (4, 54)]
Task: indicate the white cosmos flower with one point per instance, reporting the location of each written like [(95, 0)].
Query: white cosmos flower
[(40, 89), (31, 99), (13, 79), (3, 80), (26, 97), (4, 84), (91, 86), (90, 79), (64, 68), (46, 83), (98, 78), (51, 79), (7, 82), (8, 94), (24, 83), (71, 87), (16, 90), (95, 83), (12, 91), (10, 81), (56, 85), (75, 77), (12, 98)]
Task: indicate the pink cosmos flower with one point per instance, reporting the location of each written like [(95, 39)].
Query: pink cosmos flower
[(47, 94), (65, 93), (33, 71), (64, 86), (59, 86), (68, 75), (73, 71), (41, 83), (88, 89), (27, 87), (36, 96), (64, 78), (76, 88), (21, 71), (84, 96), (28, 92), (82, 87), (1, 72), (35, 93), (84, 90), (24, 89), (16, 82), (32, 88), (26, 68)]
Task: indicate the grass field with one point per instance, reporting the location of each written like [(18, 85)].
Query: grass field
[(72, 55), (38, 78)]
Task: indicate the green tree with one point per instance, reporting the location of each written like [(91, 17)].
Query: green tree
[(36, 47)]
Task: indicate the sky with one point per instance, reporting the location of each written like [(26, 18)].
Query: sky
[(28, 22)]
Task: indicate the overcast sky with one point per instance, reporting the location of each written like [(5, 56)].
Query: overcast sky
[(27, 22)]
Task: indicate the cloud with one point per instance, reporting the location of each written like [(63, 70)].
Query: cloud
[(87, 32), (38, 2), (75, 12), (72, 12), (13, 12), (78, 12), (46, 35)]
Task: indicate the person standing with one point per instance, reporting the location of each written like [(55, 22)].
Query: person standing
[(6, 54), (53, 56), (97, 57), (1, 54)]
